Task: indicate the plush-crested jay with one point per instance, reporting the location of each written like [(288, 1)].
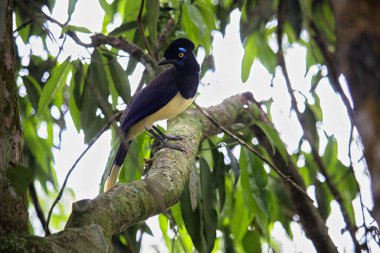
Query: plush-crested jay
[(169, 94)]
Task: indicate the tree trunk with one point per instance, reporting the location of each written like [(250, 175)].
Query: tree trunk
[(13, 207), (358, 36)]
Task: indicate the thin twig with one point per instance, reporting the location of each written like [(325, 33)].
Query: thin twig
[(257, 153), (37, 207), (141, 28), (332, 72), (58, 198), (23, 25), (334, 191), (99, 39)]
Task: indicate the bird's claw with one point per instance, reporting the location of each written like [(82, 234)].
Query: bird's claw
[(173, 146), (173, 137)]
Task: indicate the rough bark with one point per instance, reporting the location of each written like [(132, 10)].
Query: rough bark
[(358, 45), (13, 209), (93, 222)]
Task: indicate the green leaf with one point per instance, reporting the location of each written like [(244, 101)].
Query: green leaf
[(241, 216), (75, 29), (255, 14), (313, 55), (274, 140), (323, 197), (195, 26), (78, 76), (124, 28), (251, 242), (33, 90), (310, 121), (309, 171), (256, 169), (20, 177), (208, 200), (153, 8), (253, 180), (234, 164), (55, 82), (95, 95), (120, 80), (207, 11), (315, 79), (218, 174), (316, 108), (176, 212), (192, 220), (71, 7), (74, 111), (264, 53), (250, 52), (164, 226), (330, 156), (294, 15)]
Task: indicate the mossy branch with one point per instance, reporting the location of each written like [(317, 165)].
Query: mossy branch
[(93, 222)]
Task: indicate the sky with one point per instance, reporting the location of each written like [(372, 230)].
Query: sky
[(215, 87)]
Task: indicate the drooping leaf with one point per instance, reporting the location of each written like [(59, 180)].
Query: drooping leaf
[(274, 139), (75, 29), (124, 28), (241, 216), (78, 76), (251, 242), (323, 198), (153, 7), (120, 80), (250, 52), (310, 130), (33, 90), (255, 14), (71, 7), (218, 174), (55, 82), (192, 220), (330, 156), (74, 110), (20, 177), (164, 226), (293, 15), (94, 97), (234, 164), (208, 207)]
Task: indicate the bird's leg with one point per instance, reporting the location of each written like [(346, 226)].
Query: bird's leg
[(167, 137), (164, 143)]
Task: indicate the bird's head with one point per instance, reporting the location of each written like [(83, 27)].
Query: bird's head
[(180, 53)]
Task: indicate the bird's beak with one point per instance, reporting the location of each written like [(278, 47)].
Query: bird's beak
[(163, 61)]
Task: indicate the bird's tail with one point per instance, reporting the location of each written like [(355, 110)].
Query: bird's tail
[(116, 166)]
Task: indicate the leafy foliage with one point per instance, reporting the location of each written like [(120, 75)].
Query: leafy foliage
[(233, 199)]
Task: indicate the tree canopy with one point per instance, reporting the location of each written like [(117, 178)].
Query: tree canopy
[(238, 179)]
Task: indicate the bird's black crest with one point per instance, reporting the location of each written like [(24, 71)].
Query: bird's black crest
[(181, 42)]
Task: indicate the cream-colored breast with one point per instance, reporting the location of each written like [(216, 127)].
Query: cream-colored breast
[(177, 105)]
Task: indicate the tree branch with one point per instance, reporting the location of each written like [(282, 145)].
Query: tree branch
[(257, 153), (37, 207), (310, 218), (93, 222), (127, 204), (334, 191)]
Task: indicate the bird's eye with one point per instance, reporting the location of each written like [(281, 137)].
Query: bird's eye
[(180, 55)]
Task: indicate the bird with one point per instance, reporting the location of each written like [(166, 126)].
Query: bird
[(166, 96)]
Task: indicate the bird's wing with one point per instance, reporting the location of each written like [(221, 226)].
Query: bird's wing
[(150, 99)]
